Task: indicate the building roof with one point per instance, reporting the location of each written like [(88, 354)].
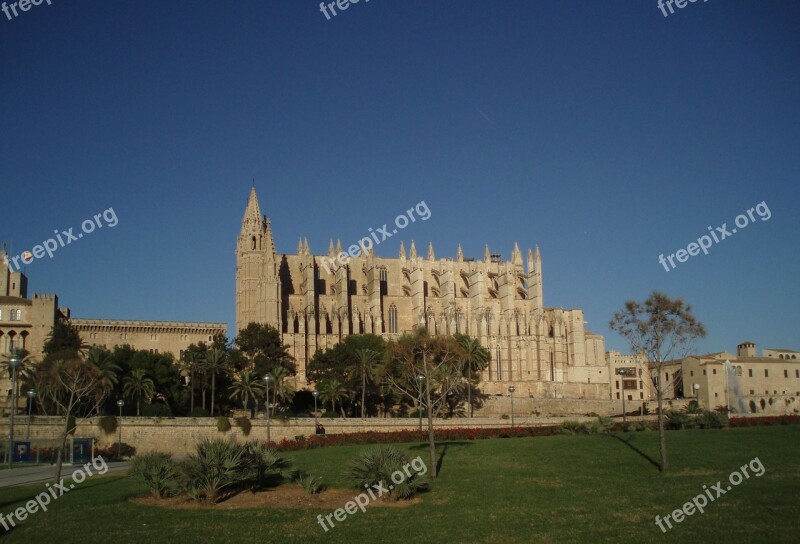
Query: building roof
[(15, 300), (135, 323), (782, 350)]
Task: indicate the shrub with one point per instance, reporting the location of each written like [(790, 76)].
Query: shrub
[(376, 466), (693, 407), (766, 420), (223, 424), (215, 466), (677, 420), (107, 424), (311, 484), (572, 427), (198, 411), (711, 420), (161, 474), (244, 424), (156, 410), (114, 452), (267, 463)]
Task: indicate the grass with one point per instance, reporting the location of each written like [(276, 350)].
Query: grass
[(551, 489)]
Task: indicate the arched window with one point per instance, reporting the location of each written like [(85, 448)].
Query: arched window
[(253, 243), (738, 371), (499, 363), (393, 319)]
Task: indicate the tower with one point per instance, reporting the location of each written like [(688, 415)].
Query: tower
[(258, 286)]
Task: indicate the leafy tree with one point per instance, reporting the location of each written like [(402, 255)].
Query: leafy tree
[(102, 359), (263, 347), (435, 360), (280, 388), (191, 364), (662, 329), (64, 341), (137, 385)]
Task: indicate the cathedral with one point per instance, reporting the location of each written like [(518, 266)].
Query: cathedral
[(544, 352)]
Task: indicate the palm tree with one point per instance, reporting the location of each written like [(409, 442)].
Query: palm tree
[(215, 363), (137, 385), (364, 366), (475, 358), (247, 384), (192, 362), (25, 370), (102, 360), (333, 391), (281, 388)]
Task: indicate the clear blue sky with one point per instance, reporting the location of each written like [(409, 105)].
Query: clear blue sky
[(602, 131)]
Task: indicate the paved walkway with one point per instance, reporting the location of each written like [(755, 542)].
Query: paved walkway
[(44, 473)]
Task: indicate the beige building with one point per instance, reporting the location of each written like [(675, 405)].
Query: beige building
[(744, 382), (316, 303), (155, 336), (635, 383)]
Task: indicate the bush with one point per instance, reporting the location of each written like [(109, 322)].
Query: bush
[(156, 410), (114, 452), (693, 407), (711, 420), (677, 420), (199, 412), (766, 420), (223, 424), (107, 424), (244, 424), (311, 484), (572, 427), (161, 474), (376, 466)]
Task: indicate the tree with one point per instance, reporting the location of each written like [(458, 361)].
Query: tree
[(64, 340), (246, 385), (102, 360), (475, 359), (661, 328), (215, 363), (69, 382), (191, 363), (364, 368), (281, 389), (264, 349), (137, 385), (332, 390), (432, 358)]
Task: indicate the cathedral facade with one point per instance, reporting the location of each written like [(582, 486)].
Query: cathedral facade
[(543, 352)]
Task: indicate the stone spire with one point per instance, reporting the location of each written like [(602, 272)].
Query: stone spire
[(431, 254), (413, 250), (402, 250), (459, 254), (338, 246), (486, 255), (299, 246), (331, 251), (516, 255), (252, 219)]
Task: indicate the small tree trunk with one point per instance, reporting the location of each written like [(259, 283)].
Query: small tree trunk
[(363, 393), (63, 438), (431, 437), (662, 437), (191, 399), (138, 405), (213, 386)]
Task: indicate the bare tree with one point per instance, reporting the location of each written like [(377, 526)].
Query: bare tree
[(71, 382), (662, 329)]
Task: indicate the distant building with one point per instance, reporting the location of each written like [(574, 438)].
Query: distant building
[(635, 382), (315, 304), (744, 382)]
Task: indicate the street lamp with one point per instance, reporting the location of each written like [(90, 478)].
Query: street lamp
[(14, 361), (31, 396), (120, 403), (420, 379), (511, 390), (316, 394), (267, 379)]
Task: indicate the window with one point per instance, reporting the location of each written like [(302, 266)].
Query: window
[(704, 372), (629, 384), (752, 392), (393, 319), (499, 365), (691, 372), (666, 376), (716, 395), (16, 315), (785, 373), (750, 372), (617, 396), (766, 373), (714, 371), (641, 395), (797, 373), (738, 371)]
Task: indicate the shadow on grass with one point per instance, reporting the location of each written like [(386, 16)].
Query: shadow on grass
[(444, 447), (88, 484), (636, 449)]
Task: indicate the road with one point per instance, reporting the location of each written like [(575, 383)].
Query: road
[(44, 473)]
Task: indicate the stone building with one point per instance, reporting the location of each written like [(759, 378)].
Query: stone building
[(635, 382), (316, 304), (743, 382)]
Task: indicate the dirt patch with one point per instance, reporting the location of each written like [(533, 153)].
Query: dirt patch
[(284, 496)]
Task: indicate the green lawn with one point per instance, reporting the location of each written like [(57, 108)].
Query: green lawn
[(547, 489)]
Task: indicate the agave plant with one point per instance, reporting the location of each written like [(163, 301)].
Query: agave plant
[(159, 471), (375, 467), (216, 467), (265, 462)]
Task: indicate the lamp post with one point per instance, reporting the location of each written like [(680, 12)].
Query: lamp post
[(511, 390), (120, 403), (420, 379), (696, 388), (316, 394), (14, 361), (267, 379), (31, 396)]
